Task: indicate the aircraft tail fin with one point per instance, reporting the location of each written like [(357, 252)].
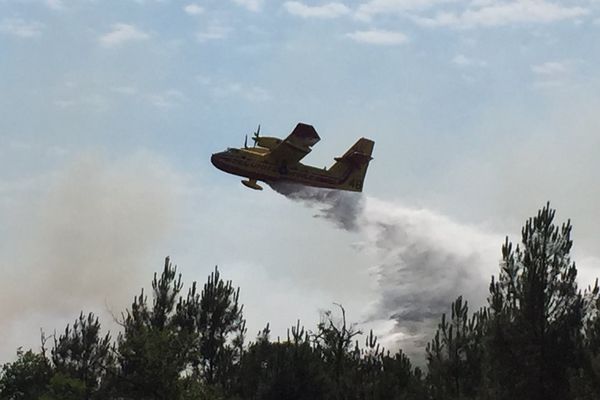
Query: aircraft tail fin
[(351, 168)]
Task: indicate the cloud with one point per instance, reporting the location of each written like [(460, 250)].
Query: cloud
[(142, 2), (167, 99), (463, 61), (223, 89), (121, 34), (554, 73), (329, 10), (213, 32), (193, 9), (377, 7), (55, 4), (477, 13), (378, 37), (251, 5), (203, 79), (551, 68), (503, 13), (21, 28), (124, 90), (93, 101), (236, 89)]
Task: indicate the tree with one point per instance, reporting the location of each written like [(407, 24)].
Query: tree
[(400, 381), (181, 347), (334, 341), (292, 370), (81, 354), (154, 347), (454, 356), (591, 307), (377, 375), (586, 380), (217, 318), (26, 378), (536, 314)]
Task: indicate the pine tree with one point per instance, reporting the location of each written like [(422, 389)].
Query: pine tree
[(153, 349), (334, 341), (83, 360), (454, 356), (221, 329), (585, 381), (291, 370), (26, 378), (536, 314)]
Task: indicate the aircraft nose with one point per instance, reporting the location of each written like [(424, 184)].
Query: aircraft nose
[(214, 159)]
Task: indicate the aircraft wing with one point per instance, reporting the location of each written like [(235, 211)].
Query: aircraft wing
[(297, 145)]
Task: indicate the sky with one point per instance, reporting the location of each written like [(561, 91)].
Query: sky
[(481, 112)]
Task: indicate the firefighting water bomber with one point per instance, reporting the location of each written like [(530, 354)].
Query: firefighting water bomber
[(274, 160)]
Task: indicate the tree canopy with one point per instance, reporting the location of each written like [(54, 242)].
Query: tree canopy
[(538, 337)]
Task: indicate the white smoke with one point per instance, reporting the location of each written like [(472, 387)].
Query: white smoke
[(83, 241), (422, 261)]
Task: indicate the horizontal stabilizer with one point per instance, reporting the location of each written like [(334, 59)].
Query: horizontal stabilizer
[(351, 168), (356, 158)]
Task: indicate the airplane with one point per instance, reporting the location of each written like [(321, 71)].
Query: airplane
[(274, 160)]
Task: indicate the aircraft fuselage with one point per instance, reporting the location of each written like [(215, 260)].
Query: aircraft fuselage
[(272, 160), (252, 164)]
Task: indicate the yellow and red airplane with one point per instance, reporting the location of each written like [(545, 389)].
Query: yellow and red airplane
[(275, 160)]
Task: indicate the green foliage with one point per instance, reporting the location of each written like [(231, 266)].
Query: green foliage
[(216, 318), (81, 357), (377, 375), (536, 313), (334, 341), (539, 338), (591, 307), (290, 370), (585, 380), (25, 378), (153, 349), (65, 387), (326, 365), (179, 345), (455, 355)]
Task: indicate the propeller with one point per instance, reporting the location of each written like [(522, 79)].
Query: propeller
[(256, 135), (246, 142)]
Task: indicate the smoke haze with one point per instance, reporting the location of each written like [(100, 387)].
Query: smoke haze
[(95, 231), (85, 240)]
